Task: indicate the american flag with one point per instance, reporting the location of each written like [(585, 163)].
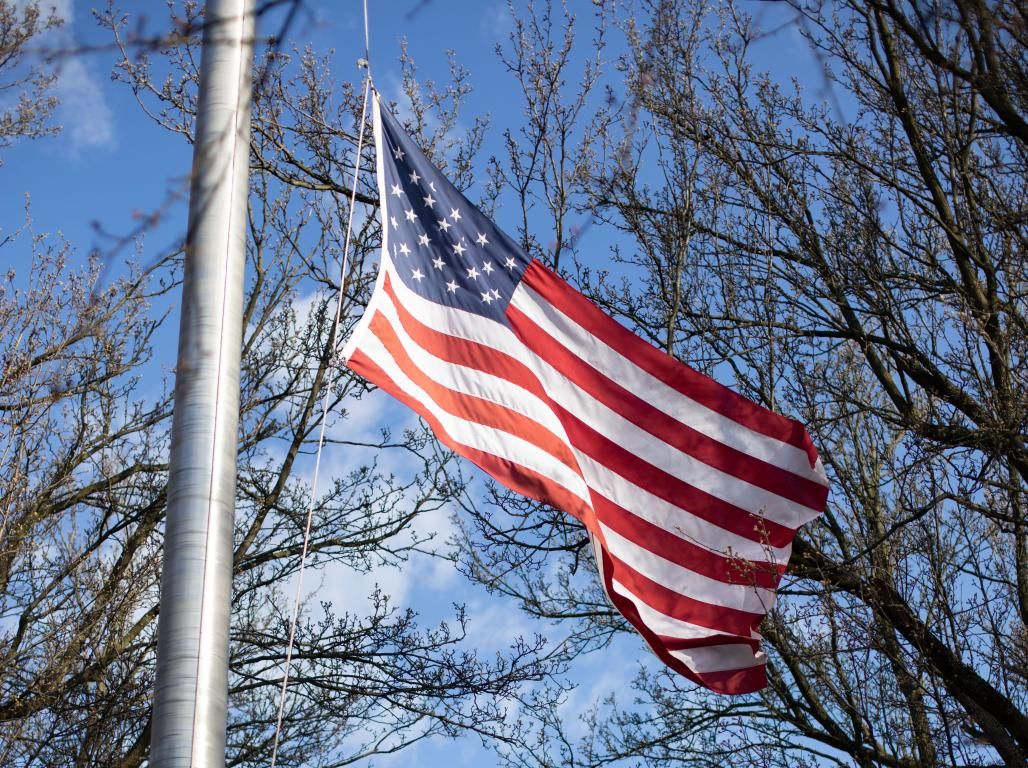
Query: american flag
[(691, 493)]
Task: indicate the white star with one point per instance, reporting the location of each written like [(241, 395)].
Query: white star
[(429, 201), (444, 224), (423, 240), (496, 294), (414, 178), (481, 239), (459, 249), (396, 190), (392, 220), (437, 263), (404, 249), (451, 286), (454, 214), (487, 297), (509, 263), (399, 154), (472, 273), (409, 213), (416, 274), (431, 185), (487, 268)]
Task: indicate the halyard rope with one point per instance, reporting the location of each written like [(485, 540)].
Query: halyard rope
[(328, 393)]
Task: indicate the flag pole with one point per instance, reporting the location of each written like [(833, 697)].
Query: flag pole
[(190, 703)]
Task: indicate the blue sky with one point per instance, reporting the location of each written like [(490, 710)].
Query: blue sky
[(112, 166)]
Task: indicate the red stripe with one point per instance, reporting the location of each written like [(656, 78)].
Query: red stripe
[(730, 570), (727, 681), (690, 441), (674, 373), (671, 489), (687, 643), (471, 407), (515, 476), (734, 681)]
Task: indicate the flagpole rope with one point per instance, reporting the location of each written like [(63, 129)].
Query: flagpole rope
[(333, 338)]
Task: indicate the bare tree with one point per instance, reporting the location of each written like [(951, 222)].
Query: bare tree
[(847, 249), (25, 83)]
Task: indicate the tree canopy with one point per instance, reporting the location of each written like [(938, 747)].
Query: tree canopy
[(844, 245), (847, 248)]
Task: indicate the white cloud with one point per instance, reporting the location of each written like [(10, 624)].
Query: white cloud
[(86, 118), (495, 622), (497, 21), (84, 114), (602, 672)]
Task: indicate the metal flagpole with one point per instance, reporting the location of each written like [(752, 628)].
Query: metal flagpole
[(190, 703)]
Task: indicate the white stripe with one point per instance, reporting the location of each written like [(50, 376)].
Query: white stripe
[(471, 381), (475, 435), (720, 658), (738, 492), (667, 399), (676, 520), (662, 624), (740, 597)]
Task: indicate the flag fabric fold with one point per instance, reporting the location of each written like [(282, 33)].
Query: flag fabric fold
[(691, 492)]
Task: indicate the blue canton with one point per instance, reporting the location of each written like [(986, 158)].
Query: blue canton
[(442, 247)]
